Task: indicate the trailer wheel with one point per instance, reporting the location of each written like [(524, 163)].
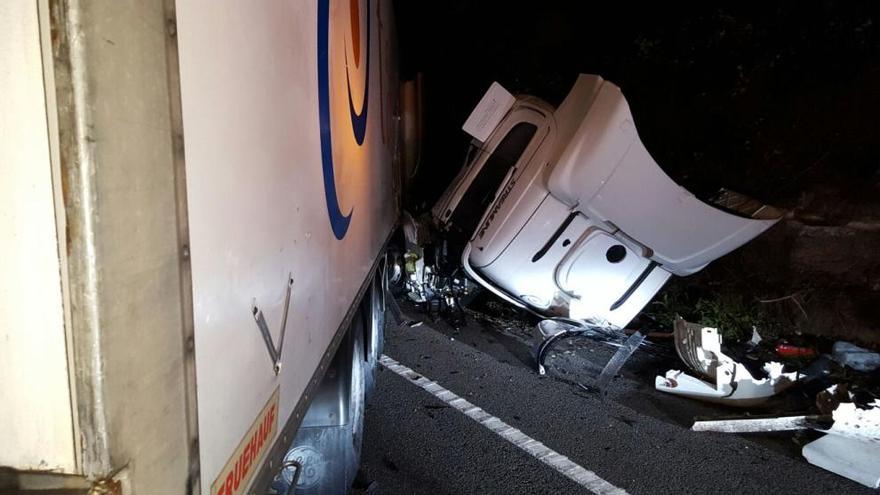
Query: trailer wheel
[(374, 316), (357, 404)]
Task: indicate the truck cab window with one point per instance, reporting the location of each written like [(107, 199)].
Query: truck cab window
[(482, 191)]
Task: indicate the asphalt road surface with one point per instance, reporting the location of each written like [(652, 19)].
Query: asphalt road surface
[(420, 441)]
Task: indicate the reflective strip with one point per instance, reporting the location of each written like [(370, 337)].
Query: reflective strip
[(568, 468)]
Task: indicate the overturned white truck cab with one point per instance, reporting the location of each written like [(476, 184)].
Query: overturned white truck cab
[(577, 219)]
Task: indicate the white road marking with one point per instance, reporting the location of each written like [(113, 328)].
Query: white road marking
[(584, 477)]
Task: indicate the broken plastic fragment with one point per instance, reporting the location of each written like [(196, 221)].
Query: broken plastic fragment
[(852, 446), (727, 380), (829, 399), (847, 457), (861, 424), (756, 337)]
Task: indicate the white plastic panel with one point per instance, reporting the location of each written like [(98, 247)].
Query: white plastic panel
[(256, 191), (587, 273), (606, 171), (595, 148), (597, 281), (620, 317), (488, 112), (549, 272), (36, 422), (516, 270), (684, 233)]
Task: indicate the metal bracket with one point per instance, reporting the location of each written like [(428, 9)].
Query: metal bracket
[(297, 469), (274, 353), (551, 330)]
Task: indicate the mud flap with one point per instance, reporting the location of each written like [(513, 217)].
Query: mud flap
[(327, 446)]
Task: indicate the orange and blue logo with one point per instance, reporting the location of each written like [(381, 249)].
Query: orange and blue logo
[(339, 221)]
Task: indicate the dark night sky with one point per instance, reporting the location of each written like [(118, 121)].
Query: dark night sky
[(773, 100)]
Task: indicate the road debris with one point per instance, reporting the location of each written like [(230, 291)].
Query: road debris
[(851, 447), (761, 424), (854, 422), (793, 351), (855, 357), (617, 361), (847, 457), (829, 399), (756, 338), (550, 331), (729, 381)]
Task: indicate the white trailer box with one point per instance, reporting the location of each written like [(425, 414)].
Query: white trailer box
[(182, 189)]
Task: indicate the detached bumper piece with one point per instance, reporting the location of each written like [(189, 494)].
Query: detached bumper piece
[(722, 379)]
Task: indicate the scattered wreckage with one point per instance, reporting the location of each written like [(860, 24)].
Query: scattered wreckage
[(563, 212), (850, 446)]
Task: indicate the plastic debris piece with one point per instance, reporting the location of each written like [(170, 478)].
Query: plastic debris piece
[(617, 361), (756, 337), (830, 399), (855, 357), (847, 457), (794, 351), (852, 444), (726, 381), (861, 424), (551, 328)]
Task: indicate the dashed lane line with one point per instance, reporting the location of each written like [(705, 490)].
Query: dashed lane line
[(568, 468)]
